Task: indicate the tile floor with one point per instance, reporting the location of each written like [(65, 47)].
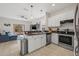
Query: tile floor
[(11, 49), (52, 50)]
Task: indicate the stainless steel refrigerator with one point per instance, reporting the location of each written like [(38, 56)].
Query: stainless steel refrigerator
[(76, 27)]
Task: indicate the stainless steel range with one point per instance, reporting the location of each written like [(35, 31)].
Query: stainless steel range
[(66, 41), (66, 34)]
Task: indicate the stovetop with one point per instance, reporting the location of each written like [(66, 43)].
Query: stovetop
[(64, 32)]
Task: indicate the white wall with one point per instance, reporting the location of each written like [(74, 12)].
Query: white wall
[(10, 21), (64, 14)]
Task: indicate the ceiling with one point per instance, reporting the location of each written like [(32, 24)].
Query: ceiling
[(26, 12)]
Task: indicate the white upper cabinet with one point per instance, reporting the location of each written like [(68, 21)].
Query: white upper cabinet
[(43, 20), (52, 22), (27, 26)]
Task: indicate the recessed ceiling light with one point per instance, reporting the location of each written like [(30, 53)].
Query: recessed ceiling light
[(32, 17), (53, 4), (31, 6), (25, 9), (41, 10)]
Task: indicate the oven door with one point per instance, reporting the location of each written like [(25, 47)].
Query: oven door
[(66, 41)]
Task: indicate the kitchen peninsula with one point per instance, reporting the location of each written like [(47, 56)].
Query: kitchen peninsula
[(35, 40)]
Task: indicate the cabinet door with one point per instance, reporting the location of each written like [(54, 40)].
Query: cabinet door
[(38, 42), (43, 40), (27, 26), (53, 22), (55, 38), (31, 44)]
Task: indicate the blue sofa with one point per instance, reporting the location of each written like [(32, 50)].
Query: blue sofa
[(5, 38)]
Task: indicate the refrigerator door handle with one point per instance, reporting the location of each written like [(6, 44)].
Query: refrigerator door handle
[(76, 49)]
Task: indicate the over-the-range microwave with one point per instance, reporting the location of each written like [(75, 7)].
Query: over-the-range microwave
[(34, 27)]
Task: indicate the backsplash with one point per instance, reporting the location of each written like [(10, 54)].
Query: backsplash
[(67, 26)]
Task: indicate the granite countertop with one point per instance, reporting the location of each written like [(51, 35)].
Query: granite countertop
[(47, 32), (35, 33), (38, 32)]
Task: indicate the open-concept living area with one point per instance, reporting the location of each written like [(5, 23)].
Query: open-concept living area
[(39, 29)]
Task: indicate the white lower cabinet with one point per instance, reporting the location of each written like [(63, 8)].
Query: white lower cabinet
[(55, 38), (31, 44), (43, 40), (36, 42)]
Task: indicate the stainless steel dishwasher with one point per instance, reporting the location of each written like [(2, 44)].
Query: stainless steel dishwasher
[(48, 38)]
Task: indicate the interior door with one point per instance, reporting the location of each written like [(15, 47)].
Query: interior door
[(77, 30)]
